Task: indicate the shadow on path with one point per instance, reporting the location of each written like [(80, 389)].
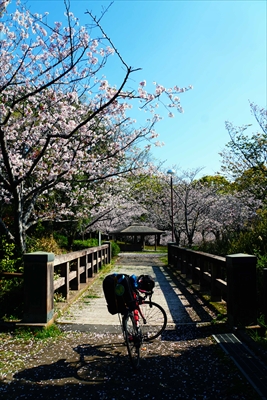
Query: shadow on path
[(184, 308), (179, 369)]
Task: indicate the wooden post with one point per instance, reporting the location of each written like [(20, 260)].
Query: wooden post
[(179, 259), (188, 266), (241, 289), (75, 283), (215, 273), (184, 262), (195, 277), (109, 255), (96, 257), (90, 264), (38, 287), (143, 242), (203, 268), (170, 253), (83, 276), (65, 272)]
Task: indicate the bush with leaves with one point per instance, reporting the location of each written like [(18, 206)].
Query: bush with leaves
[(115, 249), (8, 261), (84, 244), (48, 244), (11, 290)]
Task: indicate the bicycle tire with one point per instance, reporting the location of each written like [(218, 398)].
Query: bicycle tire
[(155, 320), (132, 339)]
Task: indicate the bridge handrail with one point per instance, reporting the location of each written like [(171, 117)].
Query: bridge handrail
[(45, 274), (232, 279)]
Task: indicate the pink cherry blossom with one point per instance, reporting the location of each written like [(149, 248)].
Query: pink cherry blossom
[(65, 132)]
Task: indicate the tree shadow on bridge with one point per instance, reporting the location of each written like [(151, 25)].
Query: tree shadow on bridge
[(185, 308)]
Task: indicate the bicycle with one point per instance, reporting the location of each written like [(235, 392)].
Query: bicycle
[(143, 324)]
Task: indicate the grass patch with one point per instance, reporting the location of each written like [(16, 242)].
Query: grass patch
[(25, 333), (164, 260), (259, 333), (106, 269), (218, 306), (151, 249), (259, 337), (17, 346), (91, 296)]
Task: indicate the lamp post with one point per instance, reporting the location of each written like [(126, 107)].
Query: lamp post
[(171, 172)]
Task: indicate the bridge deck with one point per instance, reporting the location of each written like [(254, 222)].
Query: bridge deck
[(185, 311), (92, 311)]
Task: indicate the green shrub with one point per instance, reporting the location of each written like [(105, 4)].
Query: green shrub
[(218, 247), (8, 262), (48, 244), (11, 290), (84, 244), (61, 240), (115, 249)]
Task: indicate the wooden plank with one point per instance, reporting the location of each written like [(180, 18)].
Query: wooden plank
[(72, 275), (59, 282)]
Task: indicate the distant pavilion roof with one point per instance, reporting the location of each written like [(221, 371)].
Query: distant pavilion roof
[(136, 229)]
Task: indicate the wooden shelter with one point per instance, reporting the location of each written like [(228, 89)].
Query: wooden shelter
[(134, 236)]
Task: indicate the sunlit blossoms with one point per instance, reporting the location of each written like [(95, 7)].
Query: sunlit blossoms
[(3, 5), (64, 129)]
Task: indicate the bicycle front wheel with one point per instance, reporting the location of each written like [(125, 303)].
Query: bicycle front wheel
[(153, 320), (132, 338)]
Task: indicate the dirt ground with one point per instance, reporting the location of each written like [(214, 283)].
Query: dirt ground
[(183, 364)]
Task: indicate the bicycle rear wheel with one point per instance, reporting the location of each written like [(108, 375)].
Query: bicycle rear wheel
[(153, 320), (132, 338)]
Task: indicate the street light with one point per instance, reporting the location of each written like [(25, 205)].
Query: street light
[(171, 172)]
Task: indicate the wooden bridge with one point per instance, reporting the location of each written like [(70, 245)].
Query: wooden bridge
[(231, 279)]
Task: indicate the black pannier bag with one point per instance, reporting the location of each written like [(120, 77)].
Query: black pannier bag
[(146, 283), (119, 293)]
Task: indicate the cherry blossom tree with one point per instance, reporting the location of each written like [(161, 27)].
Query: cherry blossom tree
[(3, 6), (245, 156), (231, 214), (63, 127), (192, 201), (205, 209)]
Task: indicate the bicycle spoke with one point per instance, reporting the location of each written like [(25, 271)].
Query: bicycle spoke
[(155, 320)]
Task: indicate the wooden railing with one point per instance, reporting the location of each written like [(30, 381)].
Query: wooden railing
[(45, 274), (203, 269), (232, 278), (75, 268)]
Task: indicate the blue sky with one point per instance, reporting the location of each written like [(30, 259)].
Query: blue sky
[(219, 47)]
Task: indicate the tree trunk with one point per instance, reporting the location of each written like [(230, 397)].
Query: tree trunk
[(19, 234)]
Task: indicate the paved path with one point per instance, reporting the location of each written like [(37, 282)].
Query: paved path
[(91, 362), (90, 312)]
